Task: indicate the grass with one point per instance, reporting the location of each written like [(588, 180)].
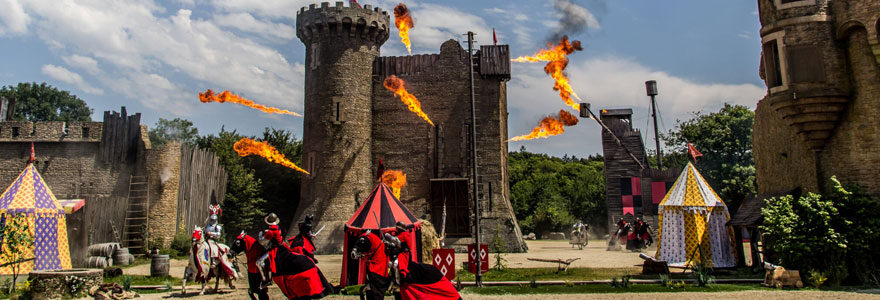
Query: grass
[(603, 289), (145, 280), (539, 274)]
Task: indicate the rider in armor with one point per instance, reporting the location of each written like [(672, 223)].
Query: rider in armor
[(213, 230), (270, 239), (303, 242)]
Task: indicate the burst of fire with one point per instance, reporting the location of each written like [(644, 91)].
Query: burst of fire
[(395, 180), (556, 57), (404, 23), (246, 146), (226, 96), (550, 126), (397, 85)]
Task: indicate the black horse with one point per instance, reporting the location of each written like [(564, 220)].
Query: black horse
[(422, 281)]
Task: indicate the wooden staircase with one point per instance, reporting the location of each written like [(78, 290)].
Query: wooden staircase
[(134, 232)]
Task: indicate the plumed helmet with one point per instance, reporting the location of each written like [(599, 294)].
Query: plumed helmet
[(306, 225), (271, 219), (400, 226)]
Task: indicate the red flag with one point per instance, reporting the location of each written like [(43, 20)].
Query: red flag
[(693, 152), (33, 157), (380, 170), (494, 37), (354, 2)]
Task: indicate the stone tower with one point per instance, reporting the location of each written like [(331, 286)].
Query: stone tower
[(821, 64), (341, 44)]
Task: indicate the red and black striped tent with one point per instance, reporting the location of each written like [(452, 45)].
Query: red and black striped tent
[(378, 213)]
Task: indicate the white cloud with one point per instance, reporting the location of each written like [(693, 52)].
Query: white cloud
[(13, 19), (136, 41), (83, 62), (268, 8), (611, 82), (744, 35), (64, 75), (246, 22), (513, 22)]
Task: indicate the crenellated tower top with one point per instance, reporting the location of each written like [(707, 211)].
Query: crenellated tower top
[(368, 24)]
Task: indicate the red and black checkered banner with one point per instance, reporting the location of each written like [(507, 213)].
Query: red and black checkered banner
[(631, 194)]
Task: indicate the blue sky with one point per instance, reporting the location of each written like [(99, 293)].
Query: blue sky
[(155, 56)]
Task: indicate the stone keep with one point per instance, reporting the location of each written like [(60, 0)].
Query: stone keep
[(341, 44), (821, 63), (352, 121)]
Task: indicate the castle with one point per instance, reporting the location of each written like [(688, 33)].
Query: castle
[(821, 64), (134, 194), (351, 121)]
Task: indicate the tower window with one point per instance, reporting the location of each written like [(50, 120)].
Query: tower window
[(310, 165), (15, 132), (85, 132), (338, 110), (314, 62), (772, 70)]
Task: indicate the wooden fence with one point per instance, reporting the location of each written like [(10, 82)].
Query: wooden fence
[(201, 175)]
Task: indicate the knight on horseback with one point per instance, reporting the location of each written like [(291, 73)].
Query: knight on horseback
[(271, 239)]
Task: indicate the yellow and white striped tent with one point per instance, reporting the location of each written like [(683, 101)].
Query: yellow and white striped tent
[(693, 224)]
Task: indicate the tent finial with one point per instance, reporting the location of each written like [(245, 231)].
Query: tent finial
[(33, 157)]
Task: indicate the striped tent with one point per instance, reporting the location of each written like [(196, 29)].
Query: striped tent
[(30, 195), (379, 213), (693, 224)]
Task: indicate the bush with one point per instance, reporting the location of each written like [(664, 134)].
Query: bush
[(817, 278), (833, 234), (182, 243)]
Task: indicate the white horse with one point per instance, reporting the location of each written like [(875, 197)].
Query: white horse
[(207, 261)]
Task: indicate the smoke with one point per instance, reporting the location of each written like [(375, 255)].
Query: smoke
[(164, 175), (574, 19)]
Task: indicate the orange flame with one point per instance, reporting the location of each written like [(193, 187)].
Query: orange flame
[(404, 23), (396, 85), (226, 96), (246, 146), (395, 180), (550, 126), (557, 60)]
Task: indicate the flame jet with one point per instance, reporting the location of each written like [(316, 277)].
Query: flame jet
[(550, 126), (404, 23), (556, 57), (246, 146), (226, 96), (395, 180), (397, 85)]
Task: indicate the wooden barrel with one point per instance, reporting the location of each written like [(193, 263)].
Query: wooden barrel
[(103, 250), (96, 262), (159, 266), (120, 257)]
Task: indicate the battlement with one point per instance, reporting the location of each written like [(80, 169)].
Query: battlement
[(16, 131), (367, 23)]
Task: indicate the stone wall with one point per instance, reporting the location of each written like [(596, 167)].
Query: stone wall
[(341, 44), (163, 169), (406, 142), (785, 157)]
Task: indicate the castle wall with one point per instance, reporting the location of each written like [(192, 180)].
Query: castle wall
[(406, 142), (789, 149), (341, 44), (72, 169), (163, 169)]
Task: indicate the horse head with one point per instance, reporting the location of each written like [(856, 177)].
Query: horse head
[(239, 245), (361, 246), (197, 235)]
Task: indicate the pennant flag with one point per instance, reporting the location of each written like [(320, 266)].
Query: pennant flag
[(494, 37), (380, 170), (693, 152)]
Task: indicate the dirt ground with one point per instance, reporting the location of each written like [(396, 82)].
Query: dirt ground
[(593, 256)]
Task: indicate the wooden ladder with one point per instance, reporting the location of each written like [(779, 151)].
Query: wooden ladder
[(134, 232)]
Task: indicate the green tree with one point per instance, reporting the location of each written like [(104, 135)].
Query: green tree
[(243, 208), (836, 233), (15, 239), (725, 140), (42, 102), (280, 185), (550, 193), (180, 130)]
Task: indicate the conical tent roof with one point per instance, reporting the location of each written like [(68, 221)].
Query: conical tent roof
[(383, 207), (693, 224), (30, 195)]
